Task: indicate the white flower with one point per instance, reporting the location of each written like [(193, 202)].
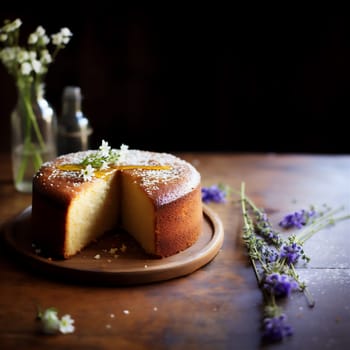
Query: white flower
[(87, 173), (56, 39), (11, 26), (28, 64), (49, 321), (33, 38), (51, 324), (104, 149), (37, 66), (8, 54), (32, 55), (104, 165), (104, 157), (44, 40), (61, 38), (26, 68), (40, 31), (66, 324), (66, 32), (23, 56), (45, 57)]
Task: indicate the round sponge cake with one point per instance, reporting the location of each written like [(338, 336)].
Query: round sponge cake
[(155, 197)]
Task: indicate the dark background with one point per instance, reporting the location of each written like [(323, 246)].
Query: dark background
[(198, 78)]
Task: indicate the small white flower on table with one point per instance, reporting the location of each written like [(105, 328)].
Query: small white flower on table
[(50, 323)]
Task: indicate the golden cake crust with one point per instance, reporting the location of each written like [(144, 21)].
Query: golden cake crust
[(174, 193)]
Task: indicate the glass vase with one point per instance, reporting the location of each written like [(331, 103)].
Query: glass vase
[(33, 135)]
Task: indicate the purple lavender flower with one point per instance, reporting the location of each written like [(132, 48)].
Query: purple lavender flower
[(265, 229), (297, 219), (213, 194), (269, 255), (280, 285), (291, 253), (276, 328)]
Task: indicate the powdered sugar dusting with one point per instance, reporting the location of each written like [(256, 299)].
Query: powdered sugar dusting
[(154, 180), (179, 179)]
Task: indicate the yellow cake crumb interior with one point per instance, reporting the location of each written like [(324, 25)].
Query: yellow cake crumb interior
[(92, 213), (137, 214)]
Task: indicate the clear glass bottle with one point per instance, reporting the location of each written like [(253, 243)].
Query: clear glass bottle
[(74, 130), (33, 135)]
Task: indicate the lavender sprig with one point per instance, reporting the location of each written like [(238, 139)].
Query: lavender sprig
[(215, 193), (276, 328), (273, 257), (298, 218)]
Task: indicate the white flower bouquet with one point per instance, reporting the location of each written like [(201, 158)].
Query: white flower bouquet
[(28, 64)]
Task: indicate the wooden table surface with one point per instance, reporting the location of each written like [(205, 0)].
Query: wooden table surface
[(215, 307)]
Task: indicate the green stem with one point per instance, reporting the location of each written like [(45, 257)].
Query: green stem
[(30, 112), (308, 295), (30, 121), (22, 169), (249, 228), (317, 226)]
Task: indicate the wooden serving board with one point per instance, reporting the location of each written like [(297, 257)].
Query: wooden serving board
[(116, 258)]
